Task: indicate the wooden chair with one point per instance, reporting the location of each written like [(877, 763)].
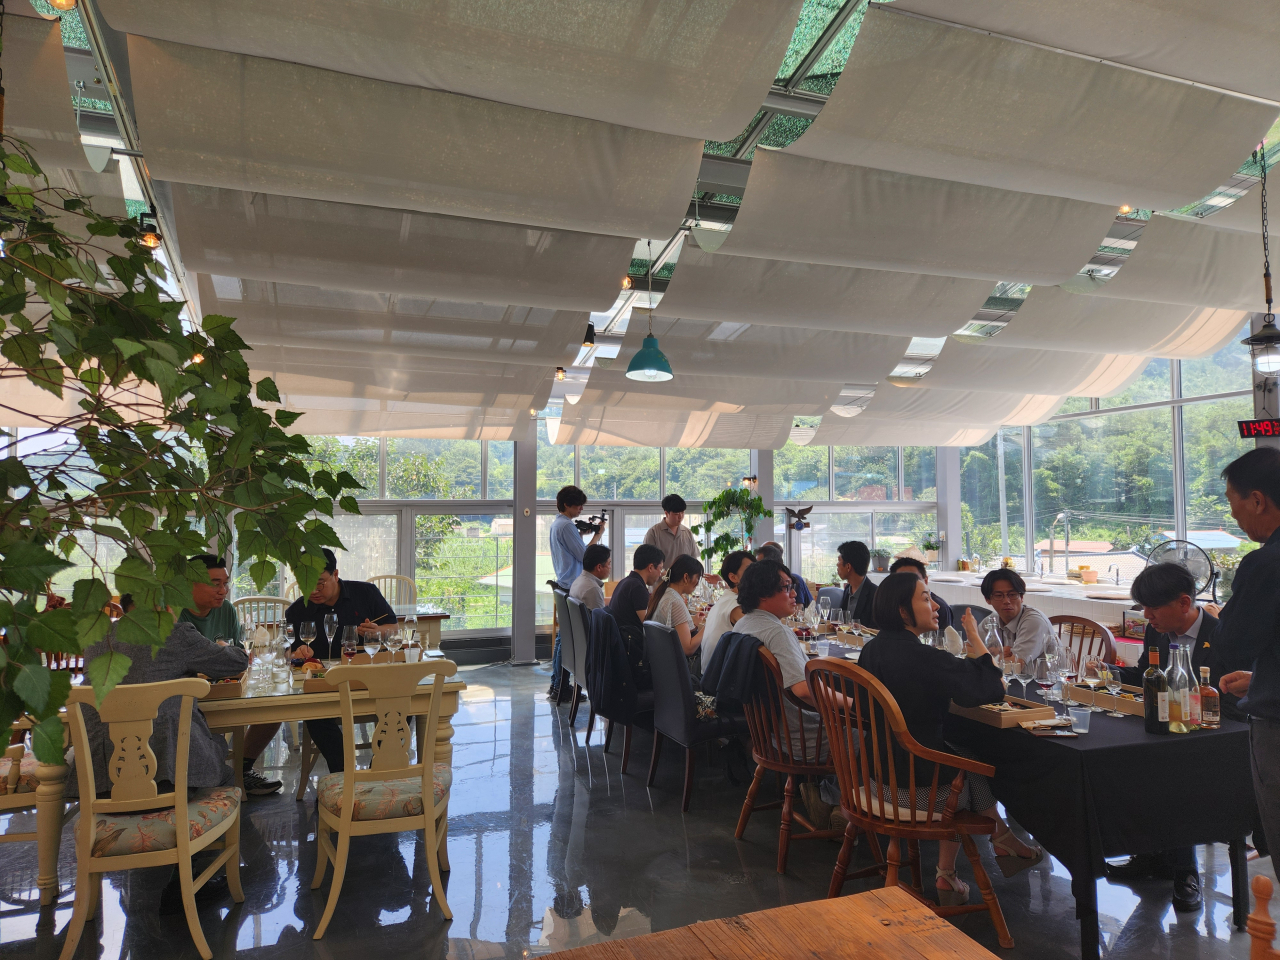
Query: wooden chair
[(389, 796), (261, 610), (72, 663), (401, 592), (1084, 638), (867, 733), (291, 592), (18, 789), (772, 749), (136, 827), (1262, 929)]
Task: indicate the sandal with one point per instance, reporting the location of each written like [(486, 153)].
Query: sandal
[(1008, 859), (957, 892)]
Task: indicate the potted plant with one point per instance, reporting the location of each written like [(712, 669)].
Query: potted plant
[(931, 545), (880, 558), (740, 502)]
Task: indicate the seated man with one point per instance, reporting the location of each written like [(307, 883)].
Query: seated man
[(589, 587), (772, 550), (918, 567), (1022, 630), (853, 559), (629, 603), (217, 620), (356, 604)]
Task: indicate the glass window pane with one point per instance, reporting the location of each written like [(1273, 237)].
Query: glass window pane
[(95, 557), (983, 472), (699, 473), (620, 473), (636, 525), (897, 531), (555, 464), (920, 473), (865, 473), (1113, 475), (1210, 442), (1228, 369), (433, 469), (372, 542), (502, 473), (357, 455), (818, 544), (1153, 384), (462, 566), (1074, 405), (800, 473)]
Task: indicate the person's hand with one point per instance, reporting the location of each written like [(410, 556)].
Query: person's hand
[(304, 652), (368, 628), (1236, 683), (1212, 609), (970, 624), (221, 643)]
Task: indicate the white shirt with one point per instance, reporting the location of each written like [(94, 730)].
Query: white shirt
[(589, 589), (718, 624)]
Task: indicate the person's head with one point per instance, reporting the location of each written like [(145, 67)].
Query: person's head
[(1004, 590), (328, 586), (852, 559), (769, 551), (766, 585), (595, 560), (732, 568), (673, 508), (647, 561), (903, 603), (1167, 594), (682, 576), (211, 595), (570, 500), (910, 565), (1253, 490)]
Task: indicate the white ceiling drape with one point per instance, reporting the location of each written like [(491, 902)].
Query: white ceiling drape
[(990, 367)]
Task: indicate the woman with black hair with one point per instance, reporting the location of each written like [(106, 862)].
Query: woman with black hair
[(726, 611), (924, 681), (667, 607)]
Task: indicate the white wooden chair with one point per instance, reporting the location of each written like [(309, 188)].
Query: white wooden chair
[(137, 825), (261, 610), (291, 592), (401, 592), (391, 796), (18, 792)]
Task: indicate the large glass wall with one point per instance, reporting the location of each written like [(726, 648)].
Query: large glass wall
[(802, 473), (865, 473), (619, 473), (433, 469), (701, 473), (991, 512), (462, 567)]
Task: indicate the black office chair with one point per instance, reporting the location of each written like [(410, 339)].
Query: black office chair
[(835, 594), (572, 686), (675, 715), (612, 690), (575, 657), (958, 609)]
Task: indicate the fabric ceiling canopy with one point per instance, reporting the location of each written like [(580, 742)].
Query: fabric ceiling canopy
[(863, 431), (1053, 318), (933, 100), (708, 348), (1230, 43), (815, 211), (265, 237), (693, 68), (711, 286), (37, 102), (248, 123), (1245, 214), (964, 407), (1181, 261), (986, 367), (634, 426)]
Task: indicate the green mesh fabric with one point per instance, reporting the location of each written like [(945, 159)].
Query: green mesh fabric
[(836, 56), (639, 266), (727, 148), (784, 131), (73, 34), (136, 208), (814, 17)]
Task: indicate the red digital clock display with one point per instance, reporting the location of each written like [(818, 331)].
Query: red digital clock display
[(1259, 428)]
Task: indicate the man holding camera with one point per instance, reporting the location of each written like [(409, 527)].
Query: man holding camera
[(567, 550)]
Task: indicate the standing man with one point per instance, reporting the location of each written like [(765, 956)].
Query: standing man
[(669, 534), (567, 550), (913, 565), (853, 558), (1023, 630), (1250, 624), (589, 587), (217, 620)]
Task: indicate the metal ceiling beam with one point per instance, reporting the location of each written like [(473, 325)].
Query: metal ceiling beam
[(825, 39)]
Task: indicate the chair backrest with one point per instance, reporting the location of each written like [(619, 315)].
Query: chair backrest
[(834, 594), (261, 609), (130, 711), (980, 612), (869, 737), (561, 598), (1084, 638), (674, 709), (391, 688), (578, 617), (70, 662), (401, 592), (773, 739), (291, 592)]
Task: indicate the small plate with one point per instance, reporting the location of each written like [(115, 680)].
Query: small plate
[(853, 655)]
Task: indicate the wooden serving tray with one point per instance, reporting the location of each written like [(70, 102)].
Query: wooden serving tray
[(1080, 693), (1005, 719), (226, 689)]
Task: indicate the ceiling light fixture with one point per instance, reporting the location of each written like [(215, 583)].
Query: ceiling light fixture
[(62, 6), (1125, 209), (1264, 346), (589, 338), (149, 224), (560, 373), (627, 283), (649, 364)]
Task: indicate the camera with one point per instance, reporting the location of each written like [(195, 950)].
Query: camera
[(590, 525)]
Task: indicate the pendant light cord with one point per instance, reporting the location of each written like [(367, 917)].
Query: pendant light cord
[(1261, 156), (650, 243)]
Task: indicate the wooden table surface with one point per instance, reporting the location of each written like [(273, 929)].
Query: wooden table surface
[(887, 923)]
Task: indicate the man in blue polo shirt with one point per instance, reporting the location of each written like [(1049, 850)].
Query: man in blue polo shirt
[(567, 549)]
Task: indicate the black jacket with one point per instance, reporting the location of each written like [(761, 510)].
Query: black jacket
[(610, 685), (862, 610), (734, 673), (1205, 654)]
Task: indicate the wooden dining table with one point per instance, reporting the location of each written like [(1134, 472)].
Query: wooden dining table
[(261, 703)]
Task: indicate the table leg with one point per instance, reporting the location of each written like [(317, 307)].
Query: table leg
[(444, 754), (49, 809), (237, 755), (1240, 900), (433, 634), (1087, 912)]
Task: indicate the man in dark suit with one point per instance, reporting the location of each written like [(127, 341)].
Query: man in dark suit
[(1167, 594), (852, 560), (918, 567)]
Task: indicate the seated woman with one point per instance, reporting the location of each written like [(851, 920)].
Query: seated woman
[(924, 681), (667, 607), (726, 611)]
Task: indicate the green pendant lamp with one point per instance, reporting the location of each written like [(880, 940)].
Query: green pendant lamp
[(649, 364)]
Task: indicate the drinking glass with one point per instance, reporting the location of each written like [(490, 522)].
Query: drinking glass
[(307, 633), (350, 641), (394, 641), (824, 607), (1042, 674), (331, 630), (1092, 674), (372, 643), (856, 628), (1007, 668), (1114, 686), (1022, 673), (410, 628)]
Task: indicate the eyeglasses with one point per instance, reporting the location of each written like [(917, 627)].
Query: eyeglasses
[(1004, 596)]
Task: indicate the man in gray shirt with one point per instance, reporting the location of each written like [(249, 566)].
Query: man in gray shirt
[(669, 534), (589, 587), (1023, 630)]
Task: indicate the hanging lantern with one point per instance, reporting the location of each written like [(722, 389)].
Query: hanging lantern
[(589, 338), (1264, 346), (650, 364)]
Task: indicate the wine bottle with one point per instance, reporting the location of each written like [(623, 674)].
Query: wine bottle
[(1179, 684), (1155, 695), (1210, 703), (1195, 687)]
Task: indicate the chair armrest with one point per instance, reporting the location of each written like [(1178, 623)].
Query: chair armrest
[(953, 760)]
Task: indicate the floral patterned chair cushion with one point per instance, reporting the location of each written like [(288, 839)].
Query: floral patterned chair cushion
[(385, 799), (26, 774), (119, 834)]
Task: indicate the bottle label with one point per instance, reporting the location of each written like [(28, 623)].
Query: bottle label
[(1184, 704), (1162, 707), (1195, 705)]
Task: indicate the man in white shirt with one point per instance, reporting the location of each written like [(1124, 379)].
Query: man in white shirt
[(589, 587), (669, 534), (1023, 630)]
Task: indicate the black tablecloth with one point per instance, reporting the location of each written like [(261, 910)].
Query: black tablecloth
[(1117, 789)]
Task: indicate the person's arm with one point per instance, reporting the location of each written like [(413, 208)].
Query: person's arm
[(972, 681), (381, 618), (200, 655), (1250, 621), (735, 615)]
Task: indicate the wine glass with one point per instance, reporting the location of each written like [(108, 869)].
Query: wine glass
[(1007, 668), (1022, 673), (1114, 686), (1092, 675), (824, 607), (394, 641), (350, 642), (372, 643), (307, 633), (1042, 674), (331, 630), (1053, 661), (410, 628), (855, 627)]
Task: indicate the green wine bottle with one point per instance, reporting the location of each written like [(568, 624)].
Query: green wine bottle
[(1155, 695)]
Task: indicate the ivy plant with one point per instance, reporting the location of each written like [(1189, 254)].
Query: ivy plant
[(150, 443), (735, 503)]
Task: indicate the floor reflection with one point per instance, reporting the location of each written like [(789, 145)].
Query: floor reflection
[(551, 848)]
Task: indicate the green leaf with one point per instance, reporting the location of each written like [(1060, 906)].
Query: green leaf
[(47, 374), (105, 671), (46, 738), (349, 504), (128, 348), (215, 325), (144, 627), (137, 520), (166, 351), (54, 631), (27, 567), (263, 572), (16, 161), (22, 349), (266, 391), (287, 418), (164, 374), (32, 685)]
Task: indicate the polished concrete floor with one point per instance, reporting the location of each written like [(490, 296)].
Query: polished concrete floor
[(551, 848)]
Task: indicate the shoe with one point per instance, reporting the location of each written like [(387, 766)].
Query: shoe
[(1186, 892), (819, 810), (956, 893), (1010, 862), (1144, 866), (256, 785), (215, 888)]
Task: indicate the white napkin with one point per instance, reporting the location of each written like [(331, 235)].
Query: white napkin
[(955, 645)]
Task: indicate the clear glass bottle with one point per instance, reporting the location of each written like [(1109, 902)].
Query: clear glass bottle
[(1195, 686), (1155, 695), (1210, 703), (1179, 692)]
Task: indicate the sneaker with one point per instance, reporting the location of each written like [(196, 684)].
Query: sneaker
[(256, 785)]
